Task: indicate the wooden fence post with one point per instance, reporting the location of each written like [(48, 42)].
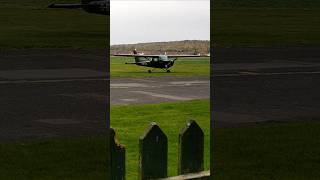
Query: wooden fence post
[(117, 158), (191, 149), (153, 153)]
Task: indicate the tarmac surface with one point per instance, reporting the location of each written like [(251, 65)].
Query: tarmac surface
[(159, 89), (59, 93), (259, 85), (53, 93)]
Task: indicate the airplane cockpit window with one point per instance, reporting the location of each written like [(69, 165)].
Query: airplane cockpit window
[(163, 58)]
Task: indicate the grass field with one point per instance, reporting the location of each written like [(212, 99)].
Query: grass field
[(49, 159), (266, 151), (286, 151), (265, 27), (182, 67), (131, 121), (305, 4), (265, 23), (29, 24), (85, 158), (48, 28)]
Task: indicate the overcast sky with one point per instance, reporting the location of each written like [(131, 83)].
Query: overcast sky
[(135, 21)]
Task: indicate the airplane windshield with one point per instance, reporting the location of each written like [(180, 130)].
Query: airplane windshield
[(163, 58)]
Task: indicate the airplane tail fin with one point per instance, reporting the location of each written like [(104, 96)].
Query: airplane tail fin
[(135, 52)]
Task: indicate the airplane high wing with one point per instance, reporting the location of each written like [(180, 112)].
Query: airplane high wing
[(135, 55), (156, 61), (169, 56), (183, 56), (165, 56)]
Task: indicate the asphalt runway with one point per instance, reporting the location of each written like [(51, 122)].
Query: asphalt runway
[(53, 93), (260, 85), (160, 89), (57, 93)]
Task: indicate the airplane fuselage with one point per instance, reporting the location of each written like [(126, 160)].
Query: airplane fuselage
[(91, 6), (162, 62)]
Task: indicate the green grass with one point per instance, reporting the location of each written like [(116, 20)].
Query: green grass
[(85, 158), (284, 151), (67, 158), (131, 121), (28, 26), (265, 27), (267, 3), (182, 67)]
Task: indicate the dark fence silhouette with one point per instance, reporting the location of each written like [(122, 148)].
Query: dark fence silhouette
[(153, 155)]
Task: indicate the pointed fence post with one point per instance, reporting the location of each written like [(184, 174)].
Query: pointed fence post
[(191, 149), (153, 153), (117, 158)]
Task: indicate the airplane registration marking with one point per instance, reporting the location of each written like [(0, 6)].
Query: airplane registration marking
[(171, 97)]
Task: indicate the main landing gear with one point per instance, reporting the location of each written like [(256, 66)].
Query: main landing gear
[(167, 70)]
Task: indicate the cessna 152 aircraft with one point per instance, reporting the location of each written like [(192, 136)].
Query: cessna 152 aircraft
[(164, 62), (90, 6)]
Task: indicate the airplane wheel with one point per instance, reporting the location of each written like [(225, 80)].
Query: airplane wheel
[(149, 71), (168, 71)]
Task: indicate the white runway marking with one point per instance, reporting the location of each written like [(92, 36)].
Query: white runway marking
[(129, 100), (163, 96), (189, 83), (266, 74), (126, 85)]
